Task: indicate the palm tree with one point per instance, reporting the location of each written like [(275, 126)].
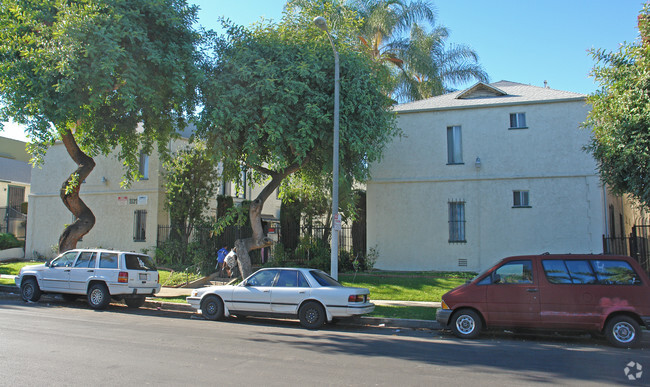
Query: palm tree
[(431, 67), (421, 64)]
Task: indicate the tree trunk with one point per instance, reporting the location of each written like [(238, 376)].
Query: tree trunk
[(85, 220)]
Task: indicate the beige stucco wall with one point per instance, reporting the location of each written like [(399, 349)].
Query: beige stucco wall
[(410, 189), (113, 206)]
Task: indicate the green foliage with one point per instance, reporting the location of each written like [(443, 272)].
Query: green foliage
[(9, 241), (190, 182), (99, 69), (268, 103), (620, 115)]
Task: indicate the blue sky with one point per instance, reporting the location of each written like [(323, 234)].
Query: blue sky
[(522, 41)]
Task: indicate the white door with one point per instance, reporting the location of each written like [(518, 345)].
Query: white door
[(255, 294), (57, 275), (82, 269)]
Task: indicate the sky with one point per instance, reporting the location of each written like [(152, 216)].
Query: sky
[(525, 41)]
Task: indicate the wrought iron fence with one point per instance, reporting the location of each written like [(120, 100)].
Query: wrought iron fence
[(636, 245)]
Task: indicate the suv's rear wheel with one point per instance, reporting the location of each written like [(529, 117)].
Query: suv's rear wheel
[(29, 290), (466, 324), (98, 296), (623, 332), (134, 302)]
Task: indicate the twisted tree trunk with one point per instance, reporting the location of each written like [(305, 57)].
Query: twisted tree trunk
[(85, 220)]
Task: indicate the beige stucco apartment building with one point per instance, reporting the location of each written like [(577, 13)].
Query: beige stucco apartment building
[(492, 171), (126, 219)]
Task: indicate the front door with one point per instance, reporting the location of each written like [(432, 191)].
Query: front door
[(255, 294), (57, 276), (513, 295)]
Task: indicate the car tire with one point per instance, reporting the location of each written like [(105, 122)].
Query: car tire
[(134, 302), (312, 315), (623, 332), (466, 324), (98, 296), (70, 297), (29, 290), (212, 308)]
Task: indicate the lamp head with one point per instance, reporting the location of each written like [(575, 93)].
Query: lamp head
[(321, 23)]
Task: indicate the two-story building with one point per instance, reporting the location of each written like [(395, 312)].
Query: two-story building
[(126, 219), (495, 170)]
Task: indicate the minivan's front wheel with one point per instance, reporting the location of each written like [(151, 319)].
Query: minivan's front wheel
[(98, 296), (466, 324), (623, 332)]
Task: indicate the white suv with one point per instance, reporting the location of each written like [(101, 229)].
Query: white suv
[(95, 273)]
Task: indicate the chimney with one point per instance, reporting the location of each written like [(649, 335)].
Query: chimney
[(545, 84)]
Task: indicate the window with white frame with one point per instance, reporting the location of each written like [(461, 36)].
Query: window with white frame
[(520, 199), (454, 145), (518, 121), (457, 222)]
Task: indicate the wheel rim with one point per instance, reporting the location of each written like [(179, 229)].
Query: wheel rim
[(465, 324), (211, 308), (96, 297), (28, 291), (312, 315), (624, 332)]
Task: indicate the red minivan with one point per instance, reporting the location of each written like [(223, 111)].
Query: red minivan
[(596, 293)]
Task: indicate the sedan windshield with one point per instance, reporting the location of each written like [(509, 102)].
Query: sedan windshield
[(323, 279)]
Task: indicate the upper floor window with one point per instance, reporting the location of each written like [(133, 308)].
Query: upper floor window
[(518, 121), (520, 199), (457, 222), (144, 166), (454, 145)]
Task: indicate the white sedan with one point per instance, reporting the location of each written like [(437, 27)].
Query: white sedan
[(308, 294)]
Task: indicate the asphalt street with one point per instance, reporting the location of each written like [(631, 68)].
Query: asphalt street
[(57, 343)]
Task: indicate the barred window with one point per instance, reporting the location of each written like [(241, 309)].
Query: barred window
[(140, 226), (457, 222)]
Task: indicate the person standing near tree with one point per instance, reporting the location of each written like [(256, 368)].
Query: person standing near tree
[(221, 256), (231, 262)]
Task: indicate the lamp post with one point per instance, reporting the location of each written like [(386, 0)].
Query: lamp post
[(320, 22)]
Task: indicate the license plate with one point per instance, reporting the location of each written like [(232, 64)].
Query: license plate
[(143, 277)]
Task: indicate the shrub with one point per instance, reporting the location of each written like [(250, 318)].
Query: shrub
[(8, 241)]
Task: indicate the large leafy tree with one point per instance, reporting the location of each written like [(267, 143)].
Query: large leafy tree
[(268, 108), (98, 75), (620, 115)]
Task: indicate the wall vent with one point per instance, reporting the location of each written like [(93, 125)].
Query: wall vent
[(462, 262)]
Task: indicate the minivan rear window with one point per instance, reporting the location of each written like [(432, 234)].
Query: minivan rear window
[(603, 272), (612, 272), (139, 262)]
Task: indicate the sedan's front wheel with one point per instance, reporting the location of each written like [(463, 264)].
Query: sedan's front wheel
[(212, 307), (312, 315)]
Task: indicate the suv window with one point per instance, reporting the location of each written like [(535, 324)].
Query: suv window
[(86, 259), (65, 260), (612, 272), (139, 262), (515, 272), (108, 261)]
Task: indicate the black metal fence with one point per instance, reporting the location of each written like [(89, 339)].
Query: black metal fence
[(636, 245), (351, 239)]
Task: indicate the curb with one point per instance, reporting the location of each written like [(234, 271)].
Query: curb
[(12, 292)]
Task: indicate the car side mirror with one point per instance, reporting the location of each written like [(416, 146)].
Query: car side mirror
[(48, 263)]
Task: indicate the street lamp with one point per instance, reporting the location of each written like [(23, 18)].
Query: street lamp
[(336, 219)]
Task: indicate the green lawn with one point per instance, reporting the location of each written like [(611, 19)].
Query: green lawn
[(13, 269)]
